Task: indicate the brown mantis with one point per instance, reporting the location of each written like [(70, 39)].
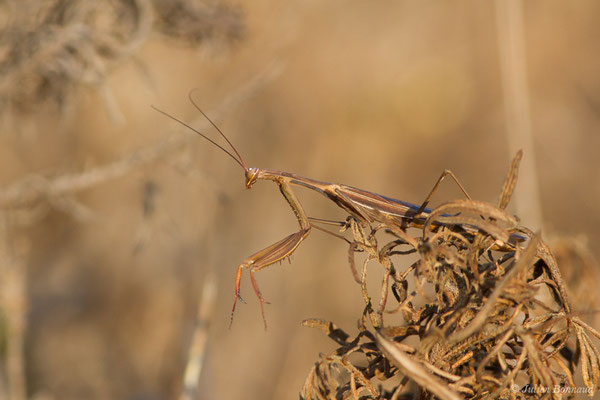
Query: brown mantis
[(364, 206)]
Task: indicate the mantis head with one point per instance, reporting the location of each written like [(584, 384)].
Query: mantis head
[(251, 177)]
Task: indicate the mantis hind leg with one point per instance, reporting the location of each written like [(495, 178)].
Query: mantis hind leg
[(444, 174)]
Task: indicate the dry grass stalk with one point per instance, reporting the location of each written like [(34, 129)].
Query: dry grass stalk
[(13, 303), (474, 322), (197, 349)]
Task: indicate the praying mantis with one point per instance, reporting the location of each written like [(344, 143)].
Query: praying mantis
[(363, 206)]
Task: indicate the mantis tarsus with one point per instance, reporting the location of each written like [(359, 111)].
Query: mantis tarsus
[(365, 207)]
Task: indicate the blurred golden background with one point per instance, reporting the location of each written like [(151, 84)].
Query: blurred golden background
[(115, 220)]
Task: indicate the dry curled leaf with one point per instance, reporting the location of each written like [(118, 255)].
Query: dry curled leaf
[(478, 315)]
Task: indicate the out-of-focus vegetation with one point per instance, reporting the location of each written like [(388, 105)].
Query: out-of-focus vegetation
[(112, 217)]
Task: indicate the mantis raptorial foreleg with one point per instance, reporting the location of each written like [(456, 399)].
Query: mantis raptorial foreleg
[(275, 252)]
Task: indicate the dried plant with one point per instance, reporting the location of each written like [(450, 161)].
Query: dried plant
[(483, 313), (48, 48)]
